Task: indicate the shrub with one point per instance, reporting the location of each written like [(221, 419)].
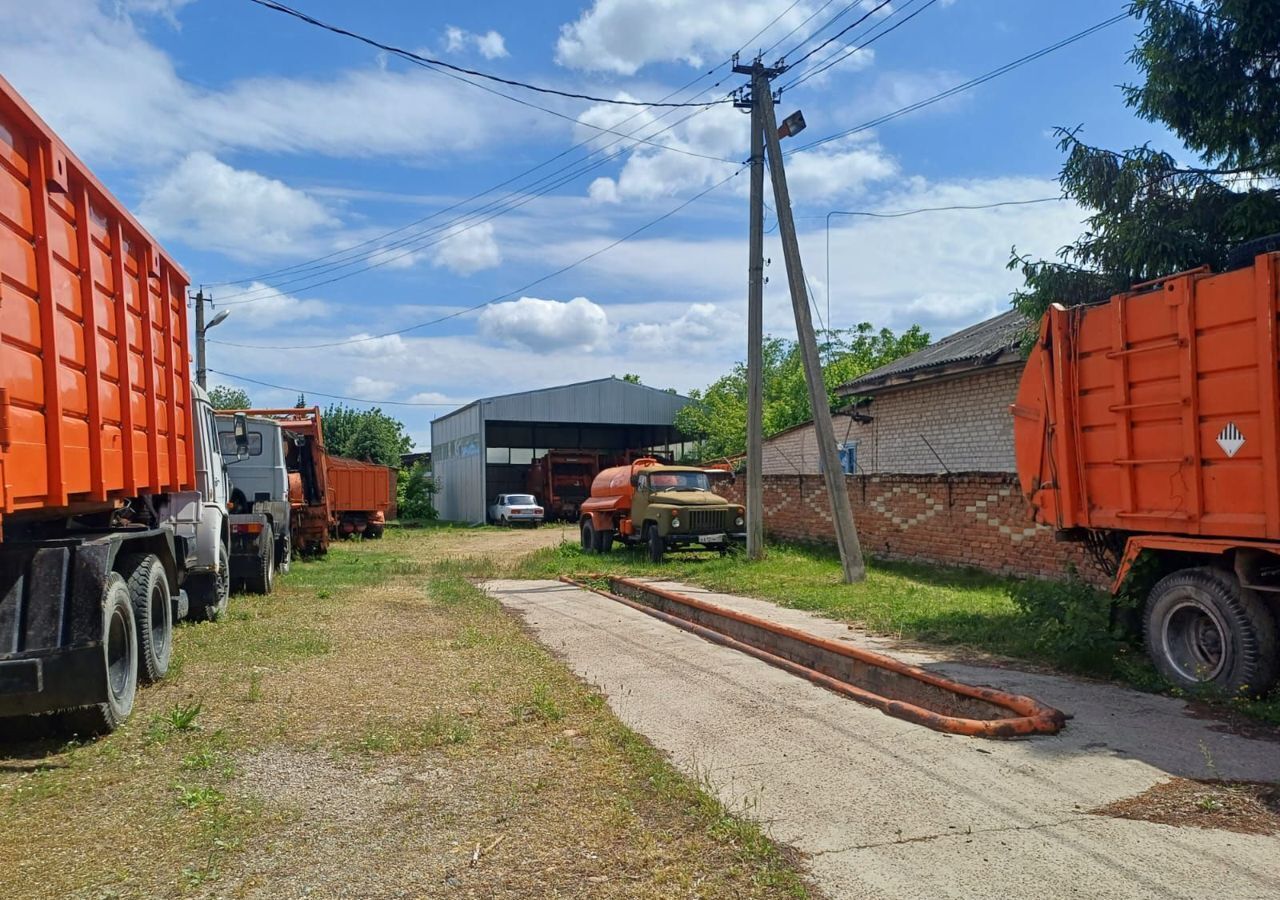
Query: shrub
[(417, 490), (1075, 623)]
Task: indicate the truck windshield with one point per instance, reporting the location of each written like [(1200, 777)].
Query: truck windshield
[(679, 481), (520, 500), (227, 441)]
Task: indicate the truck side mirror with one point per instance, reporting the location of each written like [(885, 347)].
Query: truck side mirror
[(241, 428)]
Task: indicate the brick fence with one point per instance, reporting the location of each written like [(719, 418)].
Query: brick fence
[(976, 519)]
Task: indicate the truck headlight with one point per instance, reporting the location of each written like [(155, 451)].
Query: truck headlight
[(739, 521), (675, 521)]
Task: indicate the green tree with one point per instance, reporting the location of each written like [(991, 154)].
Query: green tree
[(223, 397), (718, 415), (302, 402), (416, 491), (1211, 74), (365, 434), (631, 378)]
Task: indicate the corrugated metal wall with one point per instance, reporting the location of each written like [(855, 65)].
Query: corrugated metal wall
[(457, 462)]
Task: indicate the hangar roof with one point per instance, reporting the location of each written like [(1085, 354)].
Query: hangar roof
[(604, 401)]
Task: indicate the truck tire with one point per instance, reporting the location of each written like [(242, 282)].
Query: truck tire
[(263, 578), (211, 593), (120, 662), (1203, 629), (604, 540), (656, 545), (153, 611), (589, 537)]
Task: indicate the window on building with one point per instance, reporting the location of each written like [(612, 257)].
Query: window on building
[(849, 457)]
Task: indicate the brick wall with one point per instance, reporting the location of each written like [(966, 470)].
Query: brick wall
[(964, 418), (975, 519)]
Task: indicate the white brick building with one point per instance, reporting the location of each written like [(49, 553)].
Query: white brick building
[(941, 409)]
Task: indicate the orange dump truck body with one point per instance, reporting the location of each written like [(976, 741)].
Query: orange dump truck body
[(363, 496), (95, 402), (1157, 411)]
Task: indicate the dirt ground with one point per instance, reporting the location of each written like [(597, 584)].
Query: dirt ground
[(378, 727)]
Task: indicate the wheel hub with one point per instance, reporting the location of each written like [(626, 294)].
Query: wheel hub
[(1195, 642)]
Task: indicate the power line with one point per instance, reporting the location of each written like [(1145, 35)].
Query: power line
[(835, 37), (369, 242), (844, 53), (973, 82), (295, 390), (926, 209), (430, 61), (446, 230), (805, 22), (503, 296)]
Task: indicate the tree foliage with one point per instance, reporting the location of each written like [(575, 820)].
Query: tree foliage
[(1212, 75), (223, 397), (416, 491), (718, 415), (365, 434)]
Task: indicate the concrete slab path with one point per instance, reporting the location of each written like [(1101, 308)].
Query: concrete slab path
[(887, 809)]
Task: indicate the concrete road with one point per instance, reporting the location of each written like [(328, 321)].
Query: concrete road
[(887, 809)]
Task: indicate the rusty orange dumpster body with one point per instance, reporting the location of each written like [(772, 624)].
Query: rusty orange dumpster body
[(364, 497), (1151, 424)]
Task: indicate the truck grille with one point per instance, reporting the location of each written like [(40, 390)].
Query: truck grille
[(709, 521)]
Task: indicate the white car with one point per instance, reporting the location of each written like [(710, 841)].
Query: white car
[(509, 509)]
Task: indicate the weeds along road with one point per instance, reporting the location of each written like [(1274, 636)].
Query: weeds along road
[(378, 727)]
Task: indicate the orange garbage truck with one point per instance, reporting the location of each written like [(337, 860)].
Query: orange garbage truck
[(364, 497), (1148, 427), (113, 489), (310, 496)]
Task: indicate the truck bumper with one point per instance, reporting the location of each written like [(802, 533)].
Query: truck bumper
[(51, 680), (51, 623), (707, 540)]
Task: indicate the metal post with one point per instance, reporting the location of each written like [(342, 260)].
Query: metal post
[(200, 369), (755, 329), (841, 510)]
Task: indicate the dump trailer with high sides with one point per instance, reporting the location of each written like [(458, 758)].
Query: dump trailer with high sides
[(1148, 426), (112, 487), (561, 481), (363, 497), (261, 530), (310, 497), (660, 507)]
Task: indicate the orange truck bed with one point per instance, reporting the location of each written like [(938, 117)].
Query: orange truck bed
[(1156, 412), (95, 402), (362, 487)]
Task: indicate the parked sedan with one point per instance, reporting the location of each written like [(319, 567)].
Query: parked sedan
[(509, 509)]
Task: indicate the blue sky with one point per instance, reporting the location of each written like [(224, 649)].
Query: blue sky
[(250, 142)]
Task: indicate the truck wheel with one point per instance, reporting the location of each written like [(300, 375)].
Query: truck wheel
[(605, 540), (588, 537), (264, 577), (210, 598), (1202, 628), (120, 661), (657, 546), (153, 611)]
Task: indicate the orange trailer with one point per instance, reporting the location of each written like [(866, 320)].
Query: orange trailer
[(1151, 424), (364, 497)]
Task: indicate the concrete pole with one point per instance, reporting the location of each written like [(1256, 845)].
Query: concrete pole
[(755, 329), (841, 510), (201, 374)]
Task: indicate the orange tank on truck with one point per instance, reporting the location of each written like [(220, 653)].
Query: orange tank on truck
[(310, 495), (112, 486), (1148, 427), (364, 497), (662, 507)]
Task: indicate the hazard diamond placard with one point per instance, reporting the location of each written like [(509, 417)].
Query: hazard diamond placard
[(1230, 439)]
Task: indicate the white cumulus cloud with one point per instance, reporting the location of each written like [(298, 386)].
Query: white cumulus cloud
[(467, 250), (208, 203), (547, 324), (490, 45)]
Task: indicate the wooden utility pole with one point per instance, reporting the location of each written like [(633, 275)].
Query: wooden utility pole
[(841, 510), (755, 320)]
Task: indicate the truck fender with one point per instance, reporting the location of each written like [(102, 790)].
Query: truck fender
[(213, 531)]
